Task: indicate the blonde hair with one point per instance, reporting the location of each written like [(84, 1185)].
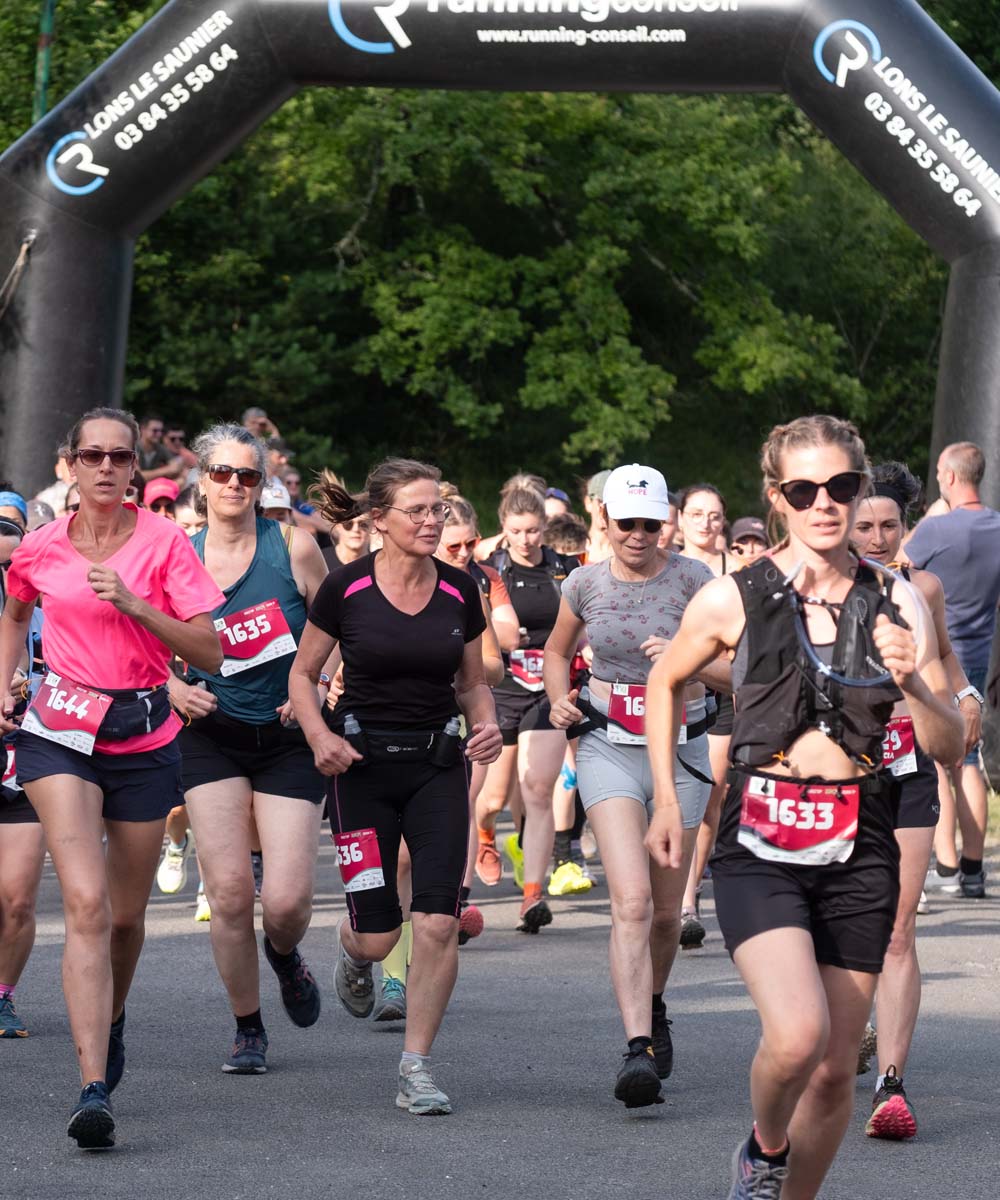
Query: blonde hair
[(802, 433), (460, 511)]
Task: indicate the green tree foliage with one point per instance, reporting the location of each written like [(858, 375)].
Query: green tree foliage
[(542, 281)]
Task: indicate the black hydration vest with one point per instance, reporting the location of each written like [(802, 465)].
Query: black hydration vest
[(783, 694)]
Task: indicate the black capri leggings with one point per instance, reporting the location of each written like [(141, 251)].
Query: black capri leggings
[(426, 805)]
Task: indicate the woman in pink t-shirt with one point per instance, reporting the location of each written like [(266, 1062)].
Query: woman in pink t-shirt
[(123, 592)]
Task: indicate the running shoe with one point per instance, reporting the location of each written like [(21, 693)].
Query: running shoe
[(867, 1049), (299, 992), (470, 923), (171, 875), (923, 908), (489, 864), (892, 1116), (568, 880), (257, 866), (692, 930), (355, 986), (418, 1093), (577, 855), (638, 1083), (663, 1044), (91, 1122), (755, 1178), (202, 909), (115, 1068), (512, 848), (534, 915), (949, 884), (248, 1056), (391, 1004), (973, 887), (11, 1025)]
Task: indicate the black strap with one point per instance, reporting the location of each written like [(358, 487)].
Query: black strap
[(595, 719)]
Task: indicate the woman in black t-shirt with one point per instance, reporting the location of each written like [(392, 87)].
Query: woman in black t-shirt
[(409, 629), (533, 750)]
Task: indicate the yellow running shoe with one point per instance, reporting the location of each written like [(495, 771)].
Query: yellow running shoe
[(202, 911), (512, 848), (568, 880)]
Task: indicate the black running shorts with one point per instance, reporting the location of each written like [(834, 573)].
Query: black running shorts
[(919, 803), (521, 712), (426, 805), (849, 908)]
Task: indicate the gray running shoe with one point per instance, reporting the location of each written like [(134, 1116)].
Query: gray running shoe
[(419, 1094), (391, 1004), (867, 1049), (355, 985), (755, 1178), (692, 930)]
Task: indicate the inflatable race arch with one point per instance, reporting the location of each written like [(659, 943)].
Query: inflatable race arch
[(879, 77)]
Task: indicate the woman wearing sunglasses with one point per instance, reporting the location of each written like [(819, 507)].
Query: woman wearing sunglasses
[(244, 758), (351, 541), (806, 866), (878, 533), (628, 607), (409, 628), (97, 751)]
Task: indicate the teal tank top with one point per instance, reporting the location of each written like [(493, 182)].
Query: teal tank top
[(253, 694)]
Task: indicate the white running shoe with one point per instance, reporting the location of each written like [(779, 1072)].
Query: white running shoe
[(923, 908), (202, 911), (171, 875), (418, 1093)]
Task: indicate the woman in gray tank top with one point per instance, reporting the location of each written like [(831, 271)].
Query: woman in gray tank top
[(628, 607)]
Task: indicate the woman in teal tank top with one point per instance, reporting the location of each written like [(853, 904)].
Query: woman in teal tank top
[(244, 756)]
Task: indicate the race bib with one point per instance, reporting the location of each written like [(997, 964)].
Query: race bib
[(67, 713), (359, 860), (526, 668), (899, 747), (253, 636), (627, 716), (807, 825)]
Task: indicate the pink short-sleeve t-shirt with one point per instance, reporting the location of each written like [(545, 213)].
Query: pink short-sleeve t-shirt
[(87, 639)]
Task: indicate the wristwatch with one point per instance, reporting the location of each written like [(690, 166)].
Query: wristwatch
[(975, 693)]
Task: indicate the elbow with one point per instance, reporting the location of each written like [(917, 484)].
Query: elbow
[(209, 657)]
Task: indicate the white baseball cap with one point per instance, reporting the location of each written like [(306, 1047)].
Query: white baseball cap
[(637, 491), (275, 495)]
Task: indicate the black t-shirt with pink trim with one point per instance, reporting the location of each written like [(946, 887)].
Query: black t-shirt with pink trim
[(399, 670)]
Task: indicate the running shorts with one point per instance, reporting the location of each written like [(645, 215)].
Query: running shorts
[(137, 787), (15, 808), (919, 803), (426, 805), (521, 712), (725, 714), (605, 769), (276, 760), (848, 908)]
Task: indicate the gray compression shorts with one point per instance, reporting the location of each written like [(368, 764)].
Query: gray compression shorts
[(605, 769)]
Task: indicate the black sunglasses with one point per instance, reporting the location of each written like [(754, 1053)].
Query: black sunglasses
[(248, 476), (627, 524), (94, 458), (842, 489)]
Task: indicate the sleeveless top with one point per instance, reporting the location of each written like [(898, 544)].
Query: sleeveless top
[(780, 694), (254, 695)]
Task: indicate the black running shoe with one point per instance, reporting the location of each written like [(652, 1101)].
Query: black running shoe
[(91, 1122), (535, 915), (115, 1068), (299, 991), (248, 1056), (638, 1084), (663, 1044), (692, 930)]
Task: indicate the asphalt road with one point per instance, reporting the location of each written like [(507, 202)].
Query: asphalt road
[(528, 1054)]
